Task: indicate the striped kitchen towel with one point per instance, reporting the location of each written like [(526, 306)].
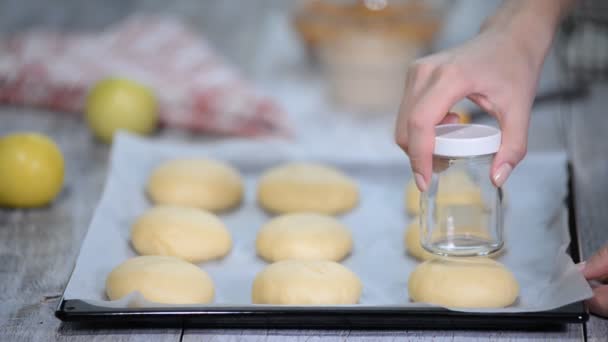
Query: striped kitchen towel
[(196, 89)]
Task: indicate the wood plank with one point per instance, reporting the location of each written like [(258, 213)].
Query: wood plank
[(597, 329), (34, 320), (38, 247), (589, 124), (571, 333)]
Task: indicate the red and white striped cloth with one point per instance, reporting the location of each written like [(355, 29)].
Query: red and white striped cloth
[(196, 89)]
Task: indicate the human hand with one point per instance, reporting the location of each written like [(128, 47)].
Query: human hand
[(498, 70), (595, 270)]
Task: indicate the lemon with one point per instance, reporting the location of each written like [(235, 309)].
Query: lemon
[(464, 117), (118, 103), (31, 170)]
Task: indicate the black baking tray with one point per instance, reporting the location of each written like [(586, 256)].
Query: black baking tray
[(352, 317)]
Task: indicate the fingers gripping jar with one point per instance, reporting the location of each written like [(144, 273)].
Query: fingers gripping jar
[(461, 211)]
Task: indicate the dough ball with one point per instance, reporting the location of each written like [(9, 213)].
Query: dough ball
[(306, 282), (200, 183), (187, 233), (413, 234), (306, 187), (412, 242), (455, 188), (160, 279), (304, 236), (463, 283)]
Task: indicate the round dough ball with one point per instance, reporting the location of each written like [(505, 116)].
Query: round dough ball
[(306, 187), (412, 242), (304, 236), (306, 282), (456, 189), (200, 183), (463, 283), (187, 233), (160, 279)]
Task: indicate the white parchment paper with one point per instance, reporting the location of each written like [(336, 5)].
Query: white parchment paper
[(535, 225)]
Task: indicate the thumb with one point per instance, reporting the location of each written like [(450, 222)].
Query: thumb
[(598, 304), (597, 266), (514, 127)]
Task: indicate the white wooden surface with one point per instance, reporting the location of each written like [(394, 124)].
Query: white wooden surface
[(38, 247), (589, 152)]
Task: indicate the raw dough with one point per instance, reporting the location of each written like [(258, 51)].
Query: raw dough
[(412, 242), (201, 183), (187, 233), (304, 236), (455, 189), (414, 247), (306, 282), (160, 279), (306, 187), (463, 283)]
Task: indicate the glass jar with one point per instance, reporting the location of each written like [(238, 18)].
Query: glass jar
[(461, 211), (365, 46)]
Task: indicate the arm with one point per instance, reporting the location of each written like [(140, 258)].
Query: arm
[(498, 70)]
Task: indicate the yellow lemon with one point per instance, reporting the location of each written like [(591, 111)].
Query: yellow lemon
[(464, 117), (118, 103), (31, 170)]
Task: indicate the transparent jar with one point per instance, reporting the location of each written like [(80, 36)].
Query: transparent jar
[(461, 212), (365, 46)]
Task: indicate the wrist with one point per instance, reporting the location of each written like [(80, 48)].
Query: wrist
[(540, 14), (530, 25)]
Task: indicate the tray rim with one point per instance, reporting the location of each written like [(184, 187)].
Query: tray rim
[(332, 317)]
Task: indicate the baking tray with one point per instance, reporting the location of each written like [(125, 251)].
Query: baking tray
[(364, 317)]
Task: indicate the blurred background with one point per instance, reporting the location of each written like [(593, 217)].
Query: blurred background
[(324, 74), (312, 70)]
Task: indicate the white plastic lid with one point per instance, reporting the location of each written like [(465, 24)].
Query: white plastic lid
[(466, 140)]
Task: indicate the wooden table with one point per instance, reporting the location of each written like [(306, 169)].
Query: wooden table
[(38, 247)]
